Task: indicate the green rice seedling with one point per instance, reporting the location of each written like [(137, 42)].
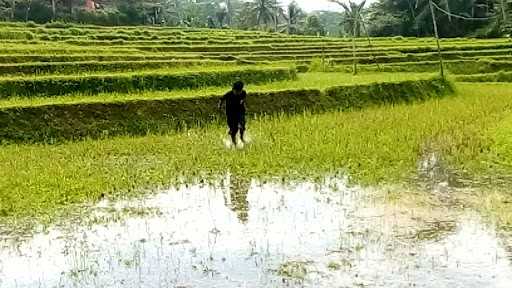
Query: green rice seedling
[(373, 146)]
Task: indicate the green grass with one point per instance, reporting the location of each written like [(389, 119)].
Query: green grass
[(503, 140), (49, 86), (470, 131), (316, 80), (495, 202), (145, 117), (164, 70), (374, 146), (501, 76)]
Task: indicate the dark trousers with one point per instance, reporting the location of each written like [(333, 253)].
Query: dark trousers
[(236, 122)]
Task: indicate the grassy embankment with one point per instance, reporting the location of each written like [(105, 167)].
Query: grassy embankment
[(316, 80), (52, 123)]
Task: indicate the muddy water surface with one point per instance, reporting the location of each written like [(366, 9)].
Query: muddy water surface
[(247, 234)]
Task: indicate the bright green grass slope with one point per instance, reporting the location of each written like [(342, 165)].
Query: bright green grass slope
[(503, 138), (378, 145), (499, 146), (316, 80)]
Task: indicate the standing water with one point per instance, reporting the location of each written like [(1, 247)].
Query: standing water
[(246, 234)]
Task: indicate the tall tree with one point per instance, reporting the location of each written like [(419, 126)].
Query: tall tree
[(264, 11), (229, 11), (245, 18), (28, 6), (7, 9), (278, 11), (413, 17), (354, 20), (353, 16), (54, 9), (294, 17), (222, 14), (313, 26)]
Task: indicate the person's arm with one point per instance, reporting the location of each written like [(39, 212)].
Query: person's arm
[(244, 96), (221, 101)]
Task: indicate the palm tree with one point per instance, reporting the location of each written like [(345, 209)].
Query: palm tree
[(54, 10), (229, 10), (222, 15), (278, 10), (264, 11), (423, 10), (7, 9), (353, 19), (467, 8), (293, 16), (28, 7), (502, 12), (503, 9)]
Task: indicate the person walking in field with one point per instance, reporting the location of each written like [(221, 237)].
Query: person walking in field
[(235, 110)]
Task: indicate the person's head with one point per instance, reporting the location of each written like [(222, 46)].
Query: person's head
[(238, 87)]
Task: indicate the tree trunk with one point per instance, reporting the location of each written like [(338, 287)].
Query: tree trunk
[(27, 10), (53, 9), (441, 66), (70, 6), (230, 10), (276, 16), (411, 9), (449, 10), (503, 10), (354, 58), (370, 45), (13, 9)]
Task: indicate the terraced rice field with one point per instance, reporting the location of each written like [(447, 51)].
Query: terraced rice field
[(114, 172), (88, 64)]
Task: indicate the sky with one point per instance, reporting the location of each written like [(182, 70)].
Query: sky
[(311, 5)]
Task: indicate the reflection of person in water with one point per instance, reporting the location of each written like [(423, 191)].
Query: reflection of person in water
[(236, 197)]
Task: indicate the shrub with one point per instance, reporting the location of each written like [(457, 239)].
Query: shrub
[(317, 65), (58, 24), (75, 31), (31, 24), (16, 35), (45, 37)]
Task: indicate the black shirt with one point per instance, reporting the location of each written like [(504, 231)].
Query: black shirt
[(235, 103)]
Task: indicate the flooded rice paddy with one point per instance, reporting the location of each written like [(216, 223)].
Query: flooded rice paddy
[(240, 233)]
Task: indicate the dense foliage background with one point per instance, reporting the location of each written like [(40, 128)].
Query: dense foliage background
[(382, 18)]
